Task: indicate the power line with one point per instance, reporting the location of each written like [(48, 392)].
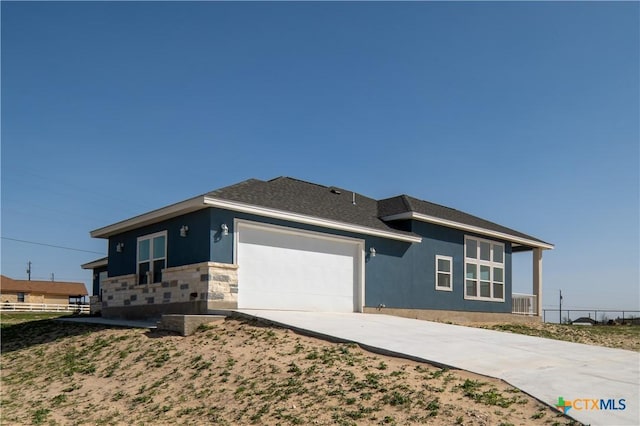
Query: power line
[(51, 245)]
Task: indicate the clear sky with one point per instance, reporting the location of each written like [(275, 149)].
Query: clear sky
[(526, 114)]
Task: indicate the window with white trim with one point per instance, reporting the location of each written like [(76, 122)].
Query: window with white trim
[(483, 269), (444, 273), (152, 257), (20, 297)]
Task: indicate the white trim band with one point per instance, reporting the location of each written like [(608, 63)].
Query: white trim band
[(471, 228), (201, 202), (309, 220)]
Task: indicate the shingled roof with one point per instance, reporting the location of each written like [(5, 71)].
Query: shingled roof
[(59, 288), (310, 199), (402, 204), (298, 200)]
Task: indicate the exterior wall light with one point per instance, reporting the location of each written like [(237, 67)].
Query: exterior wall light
[(225, 229), (372, 252), (184, 229), (119, 247)]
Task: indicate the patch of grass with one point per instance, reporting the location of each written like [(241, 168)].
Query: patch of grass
[(389, 420), (616, 336), (111, 368), (74, 386), (433, 406), (396, 398), (58, 400), (160, 359), (255, 418), (294, 369), (539, 414), (142, 399), (39, 416), (7, 319), (77, 362), (472, 389)]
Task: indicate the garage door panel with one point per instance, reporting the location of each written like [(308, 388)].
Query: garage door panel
[(282, 270)]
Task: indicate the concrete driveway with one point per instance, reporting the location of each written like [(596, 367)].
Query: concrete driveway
[(546, 369)]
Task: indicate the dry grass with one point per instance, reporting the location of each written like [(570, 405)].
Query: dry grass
[(610, 336), (236, 373)]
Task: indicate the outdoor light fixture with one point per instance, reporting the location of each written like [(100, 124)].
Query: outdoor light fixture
[(119, 247), (225, 229), (372, 252), (184, 230)]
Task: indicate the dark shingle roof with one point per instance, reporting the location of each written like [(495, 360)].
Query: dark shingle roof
[(329, 202), (318, 202), (406, 203), (297, 196)]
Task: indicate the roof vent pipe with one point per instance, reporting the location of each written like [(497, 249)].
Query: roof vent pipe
[(353, 198)]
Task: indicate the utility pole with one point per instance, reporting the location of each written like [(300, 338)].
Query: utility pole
[(560, 306), (29, 270)]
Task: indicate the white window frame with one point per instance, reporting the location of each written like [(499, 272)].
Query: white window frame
[(489, 263), (450, 273), (150, 237)]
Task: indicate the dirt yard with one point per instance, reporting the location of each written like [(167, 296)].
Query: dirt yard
[(236, 373)]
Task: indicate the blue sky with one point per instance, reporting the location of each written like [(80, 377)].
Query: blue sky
[(526, 114)]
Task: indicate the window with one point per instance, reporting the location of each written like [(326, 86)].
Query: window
[(20, 297), (444, 273), (484, 269), (152, 257)]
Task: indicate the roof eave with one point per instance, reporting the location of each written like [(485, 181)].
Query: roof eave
[(96, 263), (307, 219), (151, 217), (470, 228), (201, 202)]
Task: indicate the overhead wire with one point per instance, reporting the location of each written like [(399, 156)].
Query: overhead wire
[(52, 245)]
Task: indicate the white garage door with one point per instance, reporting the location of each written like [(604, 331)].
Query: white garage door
[(297, 270)]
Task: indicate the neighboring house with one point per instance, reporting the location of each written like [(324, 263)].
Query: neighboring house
[(584, 321), (294, 245), (46, 292)]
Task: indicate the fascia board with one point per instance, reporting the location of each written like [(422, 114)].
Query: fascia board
[(309, 220), (95, 264), (471, 228), (173, 210)]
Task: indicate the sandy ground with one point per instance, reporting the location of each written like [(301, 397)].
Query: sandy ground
[(236, 373)]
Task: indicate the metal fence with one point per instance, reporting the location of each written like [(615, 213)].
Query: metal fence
[(43, 307), (600, 316)]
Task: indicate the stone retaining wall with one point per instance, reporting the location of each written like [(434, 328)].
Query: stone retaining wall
[(184, 289)]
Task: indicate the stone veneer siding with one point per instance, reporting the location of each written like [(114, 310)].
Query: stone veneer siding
[(184, 289)]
